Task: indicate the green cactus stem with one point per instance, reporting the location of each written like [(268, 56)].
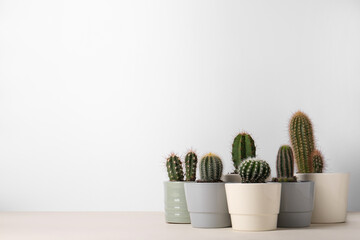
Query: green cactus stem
[(243, 147), (211, 168), (190, 166), (254, 171), (317, 161), (285, 165), (302, 141), (174, 168)]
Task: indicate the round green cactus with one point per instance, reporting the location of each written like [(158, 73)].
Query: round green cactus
[(254, 171), (317, 161), (190, 166), (174, 168), (302, 141), (285, 165), (243, 147), (211, 168)]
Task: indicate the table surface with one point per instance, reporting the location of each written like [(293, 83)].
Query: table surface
[(149, 225)]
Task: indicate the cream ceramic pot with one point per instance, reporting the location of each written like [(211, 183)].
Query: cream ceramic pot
[(253, 206), (331, 196)]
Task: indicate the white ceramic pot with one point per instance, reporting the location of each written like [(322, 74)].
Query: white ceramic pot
[(331, 196), (253, 206)]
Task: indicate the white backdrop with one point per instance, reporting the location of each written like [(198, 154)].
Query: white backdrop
[(95, 94)]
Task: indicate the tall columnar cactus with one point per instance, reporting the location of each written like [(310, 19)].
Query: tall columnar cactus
[(285, 165), (190, 166), (254, 171), (211, 168), (317, 161), (243, 147), (174, 168), (302, 141)]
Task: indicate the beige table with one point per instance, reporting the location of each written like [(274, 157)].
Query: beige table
[(148, 225)]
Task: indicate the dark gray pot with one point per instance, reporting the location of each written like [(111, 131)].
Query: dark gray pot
[(297, 203), (175, 203), (207, 205)]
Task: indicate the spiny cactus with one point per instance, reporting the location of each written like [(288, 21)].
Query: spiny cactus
[(211, 168), (174, 168), (285, 165), (254, 171), (243, 147), (302, 141), (317, 161), (190, 166)]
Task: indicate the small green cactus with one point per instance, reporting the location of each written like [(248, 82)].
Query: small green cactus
[(243, 147), (285, 165), (211, 168), (190, 166), (302, 141), (317, 161), (174, 168), (254, 171)]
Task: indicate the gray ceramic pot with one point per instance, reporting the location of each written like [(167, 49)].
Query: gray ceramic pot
[(175, 203), (207, 205), (232, 178), (297, 203)]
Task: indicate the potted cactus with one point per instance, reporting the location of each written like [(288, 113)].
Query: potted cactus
[(297, 198), (331, 189), (175, 202), (253, 204), (243, 147), (206, 199)]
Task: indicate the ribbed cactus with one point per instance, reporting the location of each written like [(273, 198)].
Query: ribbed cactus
[(254, 171), (243, 147), (317, 161), (285, 165), (211, 168), (190, 166), (174, 168), (302, 141)]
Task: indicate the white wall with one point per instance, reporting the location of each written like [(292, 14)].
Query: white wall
[(94, 94)]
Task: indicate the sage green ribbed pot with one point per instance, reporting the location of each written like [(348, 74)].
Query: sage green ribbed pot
[(175, 203)]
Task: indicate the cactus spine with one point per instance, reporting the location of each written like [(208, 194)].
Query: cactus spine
[(302, 141), (254, 171), (190, 166), (243, 147), (317, 161), (174, 168), (285, 165), (211, 168)]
